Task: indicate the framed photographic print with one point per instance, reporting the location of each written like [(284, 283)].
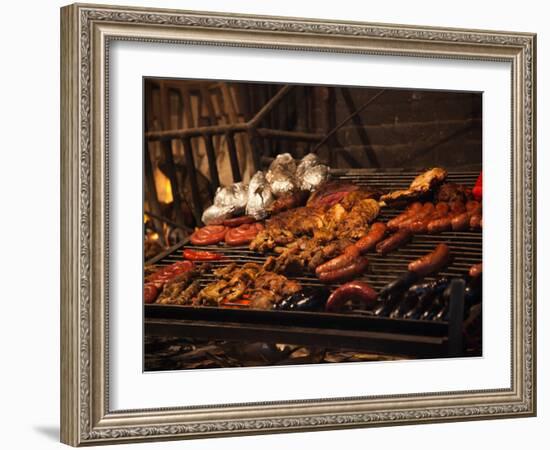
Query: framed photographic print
[(276, 225)]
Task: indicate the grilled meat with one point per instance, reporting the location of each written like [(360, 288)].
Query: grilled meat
[(270, 288), (334, 192), (285, 227), (421, 185), (355, 224), (330, 193), (226, 289), (452, 192), (182, 289), (289, 201), (263, 299), (305, 254), (276, 283), (227, 272), (347, 219), (422, 218), (182, 296), (307, 237), (260, 286)]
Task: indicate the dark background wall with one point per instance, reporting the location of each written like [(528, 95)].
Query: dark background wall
[(410, 128)]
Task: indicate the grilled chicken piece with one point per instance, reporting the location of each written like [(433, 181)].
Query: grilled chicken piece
[(347, 218), (270, 288), (354, 198), (232, 285), (263, 287), (422, 184), (182, 289), (305, 254), (286, 227), (355, 223), (263, 299), (276, 283)]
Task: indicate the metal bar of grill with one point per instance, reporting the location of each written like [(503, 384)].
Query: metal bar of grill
[(356, 329)]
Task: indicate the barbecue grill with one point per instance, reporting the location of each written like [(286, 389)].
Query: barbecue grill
[(354, 330)]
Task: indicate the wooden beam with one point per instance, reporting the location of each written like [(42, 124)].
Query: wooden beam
[(233, 158), (192, 173), (290, 135)]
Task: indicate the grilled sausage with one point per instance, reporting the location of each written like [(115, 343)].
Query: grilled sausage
[(351, 252), (457, 207), (414, 207), (432, 262), (411, 210), (394, 241), (393, 224), (208, 235), (355, 290), (442, 209), (439, 225), (460, 222), (475, 222), (419, 226), (426, 210), (345, 273), (374, 236), (473, 207), (475, 271)]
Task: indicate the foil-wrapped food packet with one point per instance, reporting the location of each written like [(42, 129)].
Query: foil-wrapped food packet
[(229, 201), (311, 173), (260, 196), (314, 177), (281, 175), (306, 163), (284, 163)]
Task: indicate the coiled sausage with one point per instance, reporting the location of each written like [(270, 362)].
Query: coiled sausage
[(355, 290)]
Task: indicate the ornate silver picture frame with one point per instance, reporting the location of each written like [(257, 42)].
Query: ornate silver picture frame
[(87, 32)]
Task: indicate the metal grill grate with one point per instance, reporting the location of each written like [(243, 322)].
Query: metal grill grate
[(466, 247), (357, 329)]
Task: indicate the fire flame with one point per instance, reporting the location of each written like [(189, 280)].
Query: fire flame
[(163, 186)]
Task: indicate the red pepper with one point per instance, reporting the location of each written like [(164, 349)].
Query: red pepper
[(238, 303), (199, 255), (477, 191)]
